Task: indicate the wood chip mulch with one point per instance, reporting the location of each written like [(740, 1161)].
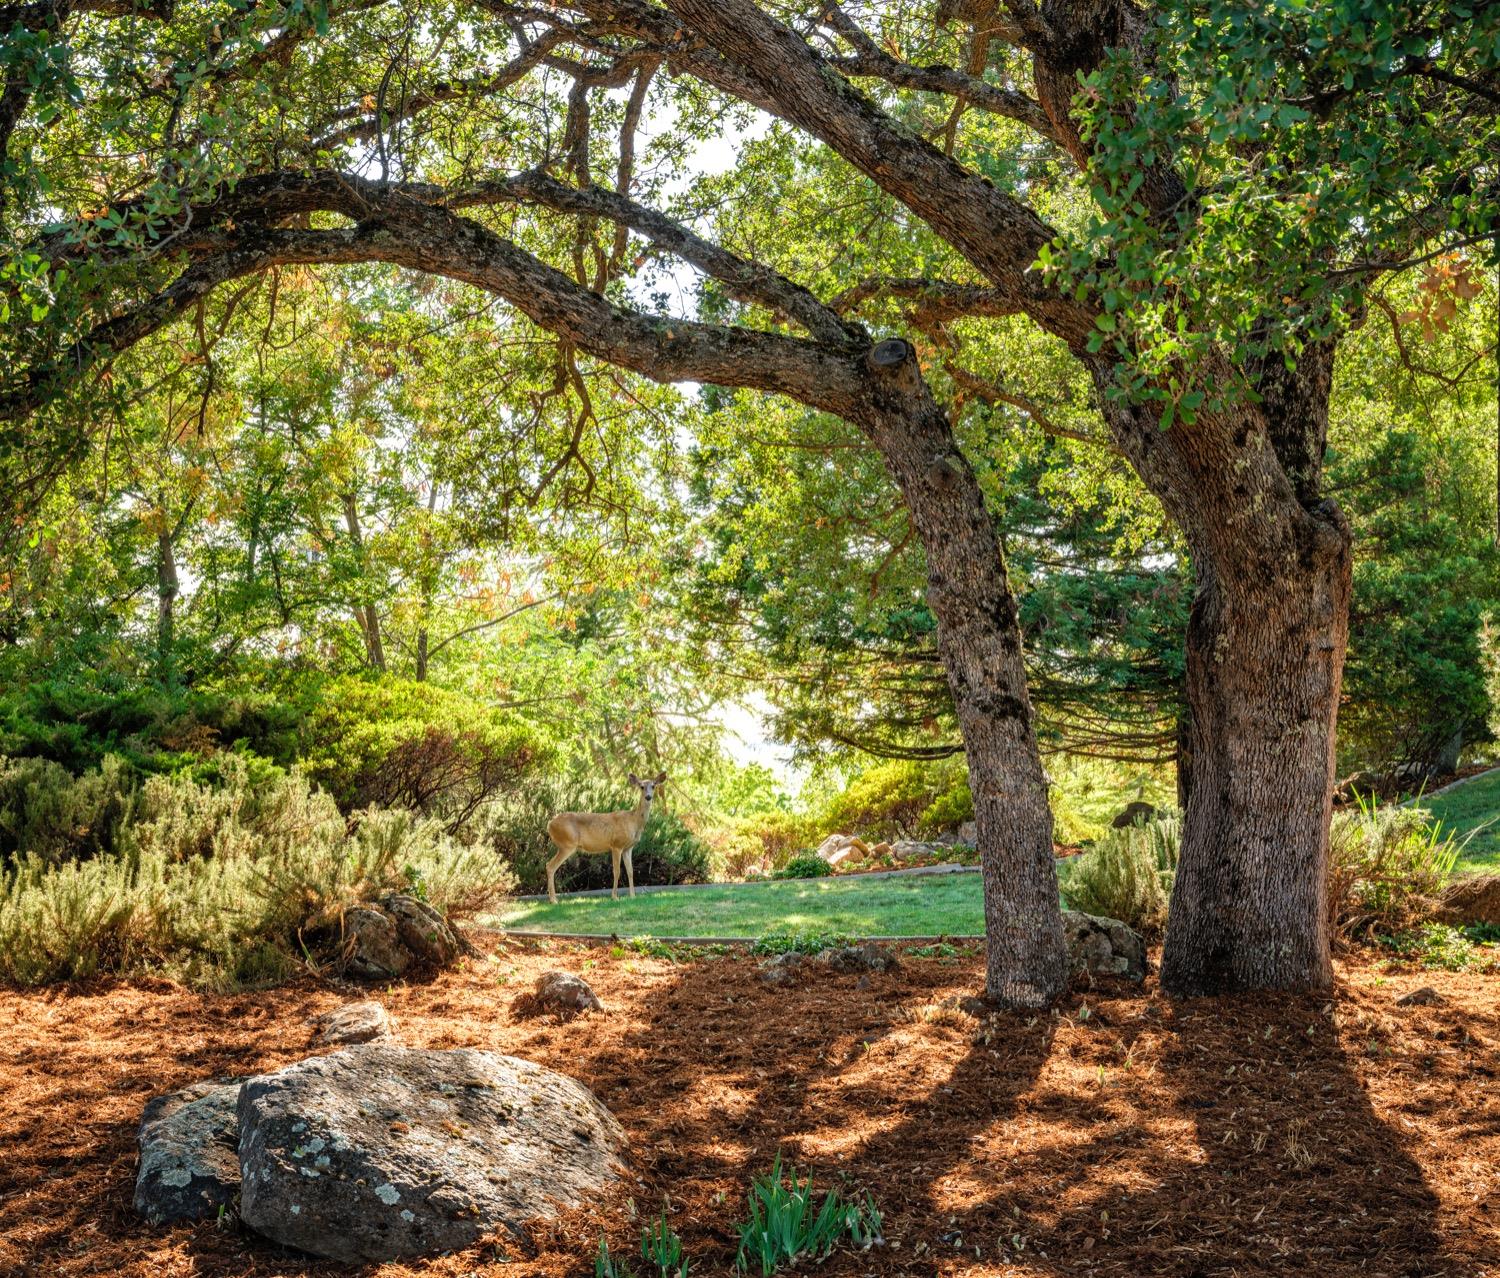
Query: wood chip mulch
[(1122, 1135)]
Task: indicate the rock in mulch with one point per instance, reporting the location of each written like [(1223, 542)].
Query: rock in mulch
[(565, 994), (838, 848), (1104, 947), (427, 935), (858, 958), (366, 1022), (781, 969), (1472, 899), (189, 1143), (380, 1152), (373, 949), (784, 969), (384, 938)]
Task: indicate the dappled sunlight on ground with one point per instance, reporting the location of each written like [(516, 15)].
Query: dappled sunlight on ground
[(1123, 1136)]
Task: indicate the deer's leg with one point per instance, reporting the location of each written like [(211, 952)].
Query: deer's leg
[(553, 866), (630, 868), (614, 889)]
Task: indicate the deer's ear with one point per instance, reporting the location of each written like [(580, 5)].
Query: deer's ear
[(634, 780), (661, 778)]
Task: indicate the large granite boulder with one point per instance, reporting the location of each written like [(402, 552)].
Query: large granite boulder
[(383, 939), (381, 1152), (189, 1143), (1104, 947)]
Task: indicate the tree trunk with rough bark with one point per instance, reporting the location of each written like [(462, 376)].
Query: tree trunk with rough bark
[(1249, 909), (979, 640)]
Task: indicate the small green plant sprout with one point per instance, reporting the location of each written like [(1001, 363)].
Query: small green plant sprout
[(661, 1249), (606, 1266), (783, 1227)]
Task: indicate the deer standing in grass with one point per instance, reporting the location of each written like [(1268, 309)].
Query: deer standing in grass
[(614, 832)]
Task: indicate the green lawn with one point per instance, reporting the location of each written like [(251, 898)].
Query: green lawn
[(1471, 806), (919, 905)]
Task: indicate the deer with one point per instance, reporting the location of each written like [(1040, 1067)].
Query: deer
[(594, 832)]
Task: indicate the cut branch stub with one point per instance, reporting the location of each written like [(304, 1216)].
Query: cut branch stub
[(891, 353)]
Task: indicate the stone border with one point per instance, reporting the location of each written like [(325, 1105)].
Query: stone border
[(520, 934), (943, 867), (1452, 785)]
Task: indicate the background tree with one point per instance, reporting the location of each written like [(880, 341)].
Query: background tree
[(1224, 186)]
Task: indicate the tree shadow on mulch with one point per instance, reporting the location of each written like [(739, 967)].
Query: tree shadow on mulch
[(1124, 1135), (1128, 1135)]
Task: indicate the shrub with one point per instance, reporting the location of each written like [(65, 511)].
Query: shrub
[(806, 866), (396, 743), (223, 885), (79, 724), (762, 842), (46, 810), (783, 1227), (799, 942), (1128, 874), (886, 801), (1435, 945), (1386, 868), (951, 808)]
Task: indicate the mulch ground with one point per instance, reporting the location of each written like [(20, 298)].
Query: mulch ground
[(1122, 1135)]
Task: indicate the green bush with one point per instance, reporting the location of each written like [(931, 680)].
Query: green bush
[(1435, 945), (224, 885), (951, 808), (1386, 868), (46, 810), (1128, 874), (806, 866), (395, 743), (761, 842), (883, 802), (79, 724)]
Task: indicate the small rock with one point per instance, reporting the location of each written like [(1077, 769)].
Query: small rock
[(366, 1022), (190, 1165), (373, 945), (1104, 947), (1423, 997), (566, 994), (782, 969), (868, 957), (380, 1152), (427, 935)]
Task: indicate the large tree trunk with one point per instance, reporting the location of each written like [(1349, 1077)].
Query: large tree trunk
[(1265, 664), (978, 637)]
